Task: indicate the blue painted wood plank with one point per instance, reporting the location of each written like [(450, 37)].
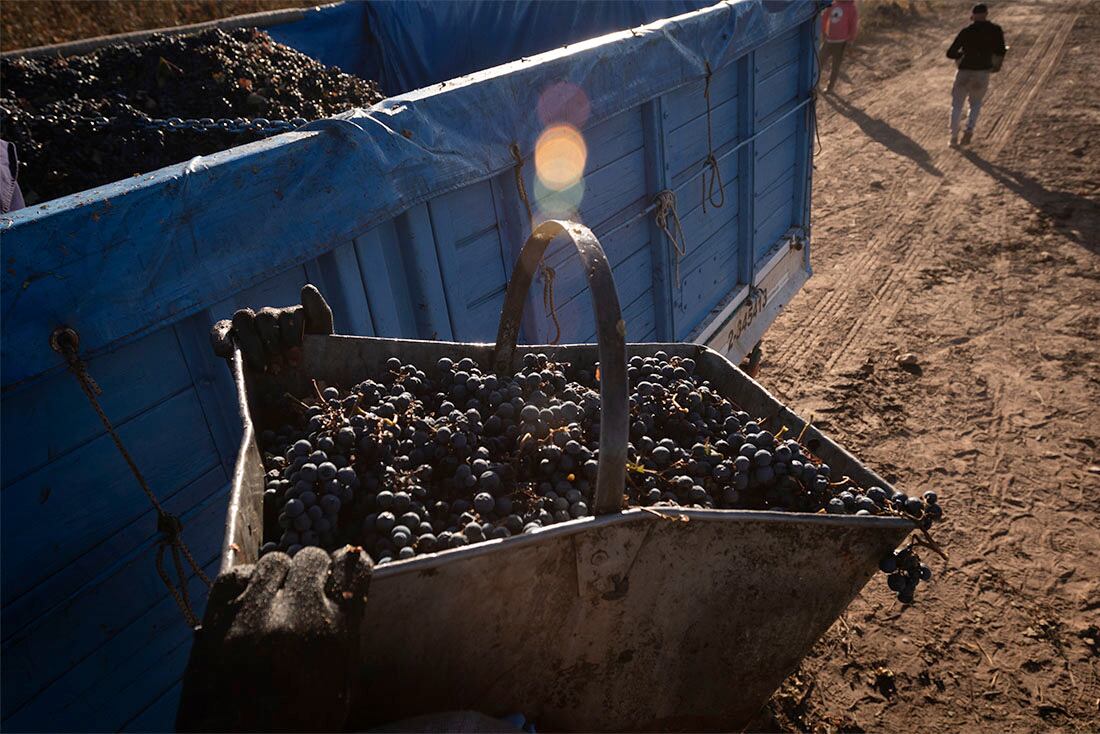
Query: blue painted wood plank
[(775, 135), (607, 143), (779, 90), (480, 267), (607, 191), (213, 385), (777, 52), (283, 289), (342, 284), (775, 166), (655, 116), (778, 203), (115, 683), (611, 173), (513, 227), (701, 222), (688, 147), (710, 242), (130, 699), (484, 317), (638, 316), (55, 514), (159, 716), (63, 637), (385, 282), (611, 139), (620, 246), (632, 281), (43, 422), (746, 94), (431, 311), (804, 136), (471, 272), (102, 559), (687, 103), (705, 284), (610, 191), (470, 209)]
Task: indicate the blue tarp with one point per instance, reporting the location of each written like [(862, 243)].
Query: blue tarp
[(207, 229), (440, 40), (414, 43), (409, 44)]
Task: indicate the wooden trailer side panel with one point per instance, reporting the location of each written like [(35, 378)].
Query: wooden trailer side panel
[(91, 639)]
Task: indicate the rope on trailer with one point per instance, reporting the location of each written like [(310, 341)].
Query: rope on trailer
[(549, 304), (711, 163), (815, 59), (65, 341), (666, 212)]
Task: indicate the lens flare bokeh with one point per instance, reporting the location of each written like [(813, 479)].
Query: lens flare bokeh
[(560, 155), (561, 152), (563, 102)]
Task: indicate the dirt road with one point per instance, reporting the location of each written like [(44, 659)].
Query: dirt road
[(985, 262)]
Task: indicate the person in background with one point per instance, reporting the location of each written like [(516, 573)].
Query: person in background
[(11, 197), (978, 51), (839, 25)]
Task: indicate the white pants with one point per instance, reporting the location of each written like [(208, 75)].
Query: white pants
[(971, 84)]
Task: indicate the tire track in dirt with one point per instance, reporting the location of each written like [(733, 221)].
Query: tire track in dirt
[(1013, 104), (869, 271), (1004, 127), (866, 263), (999, 300)]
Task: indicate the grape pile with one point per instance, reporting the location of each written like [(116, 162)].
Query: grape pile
[(215, 74), (410, 462)]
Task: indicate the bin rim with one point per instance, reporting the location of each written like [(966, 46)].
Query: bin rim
[(576, 526)]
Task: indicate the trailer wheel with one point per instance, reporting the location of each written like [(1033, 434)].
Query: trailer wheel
[(751, 364)]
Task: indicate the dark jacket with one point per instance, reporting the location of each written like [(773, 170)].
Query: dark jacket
[(977, 44)]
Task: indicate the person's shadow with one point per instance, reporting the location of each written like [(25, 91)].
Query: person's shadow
[(885, 134), (1074, 216)]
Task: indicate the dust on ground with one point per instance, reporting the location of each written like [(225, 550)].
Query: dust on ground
[(985, 262)]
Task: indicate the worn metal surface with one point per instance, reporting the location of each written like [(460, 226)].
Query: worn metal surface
[(628, 621)]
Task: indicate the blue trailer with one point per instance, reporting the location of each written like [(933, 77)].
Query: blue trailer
[(684, 143)]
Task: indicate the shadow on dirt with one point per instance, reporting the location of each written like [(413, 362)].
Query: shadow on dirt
[(884, 133), (1076, 217)]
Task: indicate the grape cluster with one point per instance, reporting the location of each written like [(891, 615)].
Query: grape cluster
[(238, 73), (411, 461), (904, 571)]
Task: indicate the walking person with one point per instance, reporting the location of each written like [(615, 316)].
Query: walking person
[(978, 51), (839, 25)]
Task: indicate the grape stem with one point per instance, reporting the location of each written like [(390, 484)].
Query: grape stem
[(296, 401), (929, 543), (805, 428)]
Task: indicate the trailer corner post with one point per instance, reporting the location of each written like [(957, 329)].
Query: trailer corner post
[(657, 180)]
